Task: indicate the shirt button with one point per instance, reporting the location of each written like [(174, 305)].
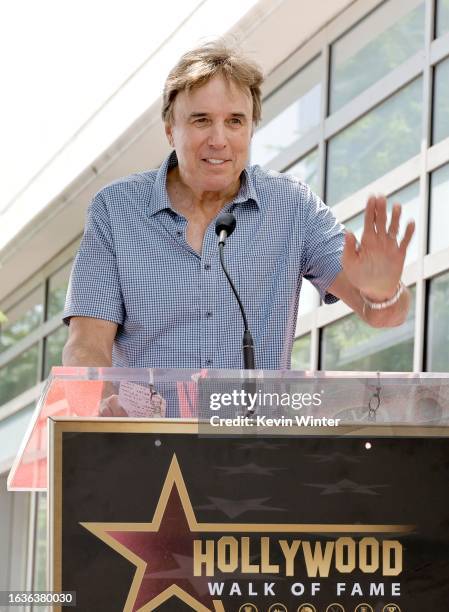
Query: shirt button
[(208, 314), (179, 233), (207, 266), (208, 362)]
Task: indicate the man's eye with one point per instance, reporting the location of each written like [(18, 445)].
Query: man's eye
[(236, 121), (201, 120)]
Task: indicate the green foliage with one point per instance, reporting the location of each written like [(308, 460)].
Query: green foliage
[(351, 344), (301, 353), (376, 143), (441, 103), (14, 331), (377, 58), (19, 374), (438, 325)]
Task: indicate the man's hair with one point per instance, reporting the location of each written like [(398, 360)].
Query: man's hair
[(217, 58)]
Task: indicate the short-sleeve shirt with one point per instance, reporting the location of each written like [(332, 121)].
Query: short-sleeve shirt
[(173, 306)]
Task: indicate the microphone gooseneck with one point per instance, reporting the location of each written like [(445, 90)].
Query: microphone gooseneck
[(224, 226)]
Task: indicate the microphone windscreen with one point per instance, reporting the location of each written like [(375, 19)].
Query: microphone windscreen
[(226, 222)]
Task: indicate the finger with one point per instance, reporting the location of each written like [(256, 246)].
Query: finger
[(393, 230), (381, 216), (368, 228), (350, 250), (408, 235), (103, 409), (115, 407)]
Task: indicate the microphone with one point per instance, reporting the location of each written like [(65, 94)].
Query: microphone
[(224, 226)]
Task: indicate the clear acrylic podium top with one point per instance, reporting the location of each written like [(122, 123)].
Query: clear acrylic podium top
[(276, 403)]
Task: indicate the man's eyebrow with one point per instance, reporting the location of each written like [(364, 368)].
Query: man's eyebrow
[(195, 115)]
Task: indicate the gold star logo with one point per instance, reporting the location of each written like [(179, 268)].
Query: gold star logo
[(145, 545)]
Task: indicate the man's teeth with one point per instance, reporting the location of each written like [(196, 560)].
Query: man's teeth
[(215, 161)]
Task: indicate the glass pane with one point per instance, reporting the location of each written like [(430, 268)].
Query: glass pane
[(383, 40), (12, 432), (301, 353), (375, 144), (57, 288), (288, 114), (351, 344), (438, 325), (22, 319), (19, 374), (439, 209), (409, 198), (441, 102), (442, 17), (54, 343), (40, 550), (306, 169), (309, 298)]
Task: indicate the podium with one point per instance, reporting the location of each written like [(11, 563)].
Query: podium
[(243, 491)]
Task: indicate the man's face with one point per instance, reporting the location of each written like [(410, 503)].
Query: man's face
[(211, 131)]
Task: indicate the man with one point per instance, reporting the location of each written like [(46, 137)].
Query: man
[(147, 289)]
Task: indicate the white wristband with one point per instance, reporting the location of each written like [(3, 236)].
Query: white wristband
[(387, 303)]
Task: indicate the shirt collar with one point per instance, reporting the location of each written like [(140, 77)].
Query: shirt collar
[(159, 197)]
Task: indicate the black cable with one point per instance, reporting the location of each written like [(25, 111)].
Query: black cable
[(221, 250)]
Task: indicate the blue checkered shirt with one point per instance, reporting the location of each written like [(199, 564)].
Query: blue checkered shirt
[(174, 306)]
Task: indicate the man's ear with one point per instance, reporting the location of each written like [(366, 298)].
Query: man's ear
[(169, 133)]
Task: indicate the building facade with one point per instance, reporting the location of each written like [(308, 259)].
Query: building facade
[(356, 102)]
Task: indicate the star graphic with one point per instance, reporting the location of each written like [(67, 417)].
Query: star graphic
[(249, 468), (259, 445), (236, 507), (156, 549), (332, 457), (162, 548), (346, 486), (183, 571)]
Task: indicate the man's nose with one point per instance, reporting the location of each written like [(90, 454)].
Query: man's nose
[(217, 136)]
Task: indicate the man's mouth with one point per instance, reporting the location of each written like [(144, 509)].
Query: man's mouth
[(215, 162)]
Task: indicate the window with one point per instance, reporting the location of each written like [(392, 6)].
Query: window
[(409, 198), (54, 343), (19, 374), (22, 319), (289, 113), (301, 353), (40, 544), (351, 344), (440, 127), (438, 325), (57, 288), (376, 143), (439, 209), (306, 169), (369, 51), (442, 16), (13, 429)]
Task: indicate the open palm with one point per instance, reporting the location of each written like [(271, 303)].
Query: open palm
[(375, 265)]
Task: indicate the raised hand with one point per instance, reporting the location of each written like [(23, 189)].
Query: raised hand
[(375, 265)]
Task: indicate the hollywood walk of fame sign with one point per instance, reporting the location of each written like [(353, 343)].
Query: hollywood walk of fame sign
[(150, 516)]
